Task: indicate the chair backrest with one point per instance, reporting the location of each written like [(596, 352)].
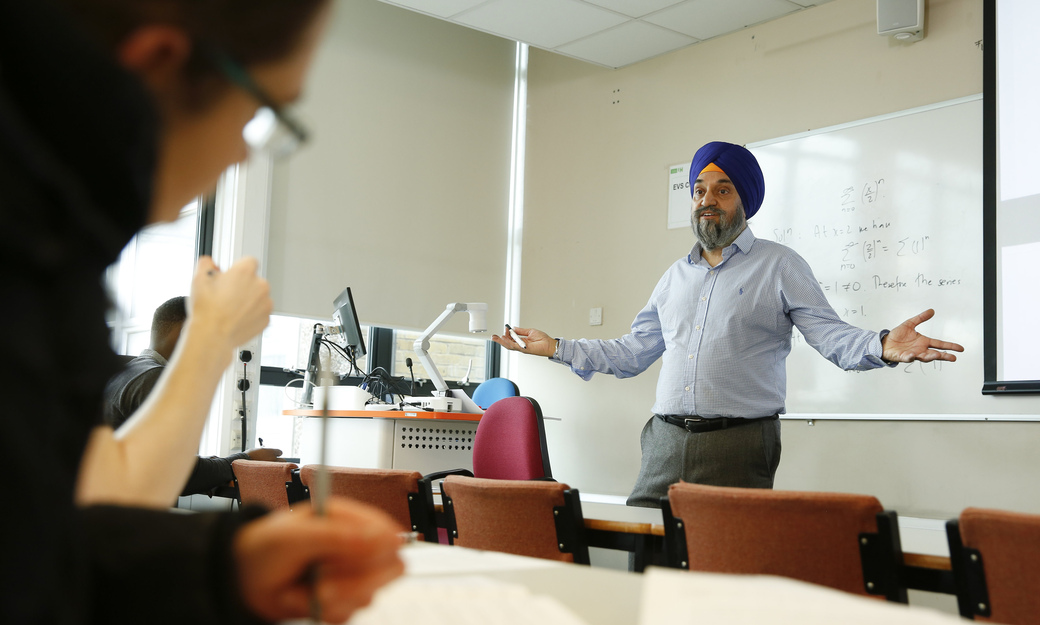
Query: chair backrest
[(839, 540), (494, 389), (263, 483), (996, 565), (510, 441), (540, 519), (393, 491)]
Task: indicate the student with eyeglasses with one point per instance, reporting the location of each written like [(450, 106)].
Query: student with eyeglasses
[(115, 114)]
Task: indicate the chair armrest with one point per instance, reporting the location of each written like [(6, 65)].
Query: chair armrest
[(295, 491), (440, 475)]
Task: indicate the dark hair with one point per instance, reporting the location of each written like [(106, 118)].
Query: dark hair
[(249, 31), (167, 316)]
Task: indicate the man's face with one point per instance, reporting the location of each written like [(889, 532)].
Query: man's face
[(718, 215)]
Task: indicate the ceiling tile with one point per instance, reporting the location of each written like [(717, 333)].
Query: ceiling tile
[(541, 23), (592, 29), (704, 19), (634, 8), (626, 44), (440, 8)]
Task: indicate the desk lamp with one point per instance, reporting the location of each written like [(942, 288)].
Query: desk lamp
[(477, 323)]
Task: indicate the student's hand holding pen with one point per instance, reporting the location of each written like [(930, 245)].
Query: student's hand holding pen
[(229, 307), (537, 342), (354, 545)]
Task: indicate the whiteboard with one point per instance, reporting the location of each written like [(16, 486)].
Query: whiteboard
[(888, 213)]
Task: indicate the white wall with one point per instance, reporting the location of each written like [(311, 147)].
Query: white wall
[(598, 145), (402, 193)]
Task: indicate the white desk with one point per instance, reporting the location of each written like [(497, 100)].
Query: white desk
[(608, 597), (390, 439)]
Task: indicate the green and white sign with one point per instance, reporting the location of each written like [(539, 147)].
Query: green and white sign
[(679, 196)]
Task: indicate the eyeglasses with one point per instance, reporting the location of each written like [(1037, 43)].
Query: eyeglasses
[(272, 129)]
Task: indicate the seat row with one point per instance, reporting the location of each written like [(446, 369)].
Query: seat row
[(849, 542), (539, 518), (839, 540)]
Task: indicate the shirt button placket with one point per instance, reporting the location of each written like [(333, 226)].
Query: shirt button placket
[(689, 399)]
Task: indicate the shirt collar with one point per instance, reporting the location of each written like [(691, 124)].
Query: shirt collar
[(745, 240), (154, 355)]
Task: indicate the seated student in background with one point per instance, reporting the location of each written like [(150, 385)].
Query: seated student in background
[(127, 390), (114, 114)]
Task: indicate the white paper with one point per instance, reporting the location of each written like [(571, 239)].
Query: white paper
[(426, 559), (462, 601), (682, 597)]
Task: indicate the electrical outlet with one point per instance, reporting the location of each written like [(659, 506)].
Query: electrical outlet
[(595, 316)]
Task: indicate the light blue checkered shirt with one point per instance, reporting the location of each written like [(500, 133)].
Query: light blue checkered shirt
[(724, 333)]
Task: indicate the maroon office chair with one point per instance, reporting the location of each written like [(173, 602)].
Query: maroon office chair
[(509, 443)]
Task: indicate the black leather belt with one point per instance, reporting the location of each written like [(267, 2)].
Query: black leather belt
[(697, 424)]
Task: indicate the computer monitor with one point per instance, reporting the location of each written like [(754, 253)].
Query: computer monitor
[(345, 317)]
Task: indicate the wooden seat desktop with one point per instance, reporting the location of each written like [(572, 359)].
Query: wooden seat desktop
[(839, 540)]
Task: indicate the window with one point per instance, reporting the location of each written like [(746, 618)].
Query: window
[(155, 265), (457, 358)]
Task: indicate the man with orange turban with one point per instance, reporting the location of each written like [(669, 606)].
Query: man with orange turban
[(721, 320)]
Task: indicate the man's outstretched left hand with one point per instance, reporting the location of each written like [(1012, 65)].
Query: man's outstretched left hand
[(905, 344)]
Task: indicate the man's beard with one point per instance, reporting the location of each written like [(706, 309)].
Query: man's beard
[(716, 235)]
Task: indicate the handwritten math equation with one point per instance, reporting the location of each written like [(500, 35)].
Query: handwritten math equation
[(857, 246), (864, 196), (861, 249)]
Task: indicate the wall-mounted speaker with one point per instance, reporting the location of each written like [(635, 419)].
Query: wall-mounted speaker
[(901, 19)]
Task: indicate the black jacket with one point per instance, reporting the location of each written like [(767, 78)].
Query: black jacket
[(77, 153), (125, 393)]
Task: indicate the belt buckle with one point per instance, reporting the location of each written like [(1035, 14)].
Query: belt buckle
[(693, 420)]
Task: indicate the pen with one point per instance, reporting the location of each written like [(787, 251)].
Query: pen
[(321, 491), (516, 337)]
